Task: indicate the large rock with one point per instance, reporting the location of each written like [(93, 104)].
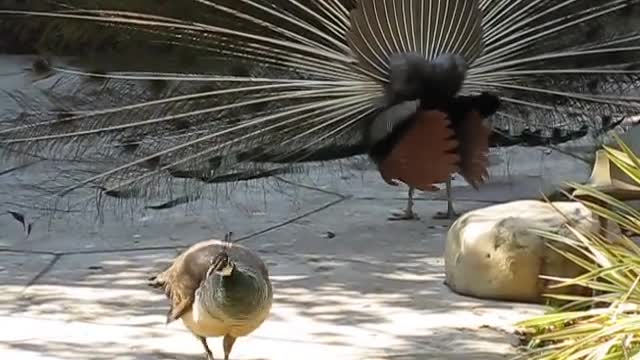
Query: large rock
[(490, 252)]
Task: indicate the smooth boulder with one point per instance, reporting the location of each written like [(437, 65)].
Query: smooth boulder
[(491, 253)]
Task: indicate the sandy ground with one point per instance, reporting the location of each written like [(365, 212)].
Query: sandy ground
[(348, 284)]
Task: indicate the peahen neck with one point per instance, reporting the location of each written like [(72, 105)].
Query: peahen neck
[(238, 295)]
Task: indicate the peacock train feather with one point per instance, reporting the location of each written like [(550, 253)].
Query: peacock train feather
[(228, 90)]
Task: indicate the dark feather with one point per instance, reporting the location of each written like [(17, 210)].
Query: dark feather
[(26, 226)]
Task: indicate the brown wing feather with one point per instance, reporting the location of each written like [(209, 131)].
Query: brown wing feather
[(425, 155), (474, 134)]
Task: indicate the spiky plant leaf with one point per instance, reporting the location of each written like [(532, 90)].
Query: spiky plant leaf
[(605, 325)]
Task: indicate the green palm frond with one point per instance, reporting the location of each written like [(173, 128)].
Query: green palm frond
[(605, 325)]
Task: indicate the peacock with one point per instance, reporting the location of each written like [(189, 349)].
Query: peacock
[(241, 90)]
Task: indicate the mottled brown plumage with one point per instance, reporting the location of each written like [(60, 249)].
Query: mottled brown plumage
[(197, 286)]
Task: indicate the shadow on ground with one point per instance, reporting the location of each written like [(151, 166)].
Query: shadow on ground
[(369, 291)]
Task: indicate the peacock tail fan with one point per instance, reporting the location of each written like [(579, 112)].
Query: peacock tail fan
[(561, 64), (204, 93)]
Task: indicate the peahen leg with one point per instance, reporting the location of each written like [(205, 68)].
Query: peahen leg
[(407, 213), (207, 351), (227, 344), (451, 213)]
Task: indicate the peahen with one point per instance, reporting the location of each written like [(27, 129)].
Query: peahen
[(239, 90), (218, 289)]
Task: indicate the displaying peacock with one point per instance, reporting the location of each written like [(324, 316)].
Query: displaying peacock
[(239, 90)]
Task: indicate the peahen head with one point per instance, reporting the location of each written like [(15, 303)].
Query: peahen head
[(221, 264)]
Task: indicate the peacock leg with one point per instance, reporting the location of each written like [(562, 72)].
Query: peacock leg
[(407, 213), (227, 344), (208, 352), (451, 213)]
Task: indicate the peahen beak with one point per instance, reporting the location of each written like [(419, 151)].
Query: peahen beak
[(220, 265), (227, 270)]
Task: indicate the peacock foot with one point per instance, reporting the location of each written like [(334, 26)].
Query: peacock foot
[(446, 215), (403, 215)]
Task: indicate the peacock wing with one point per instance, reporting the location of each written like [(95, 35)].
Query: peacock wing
[(425, 153), (474, 150), (469, 116)]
